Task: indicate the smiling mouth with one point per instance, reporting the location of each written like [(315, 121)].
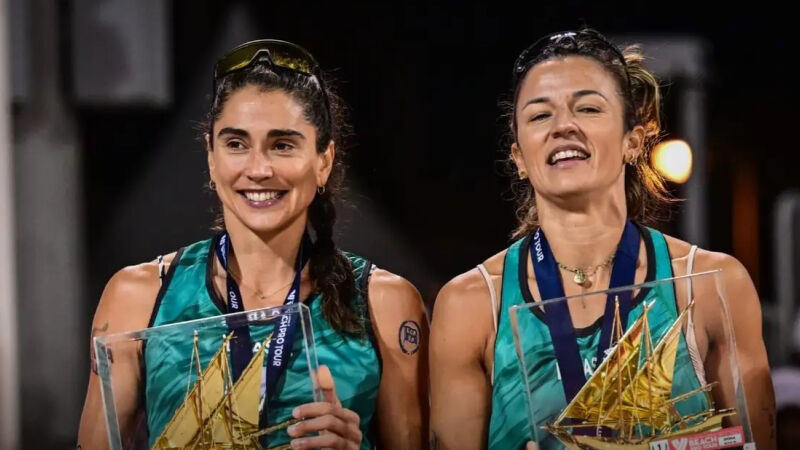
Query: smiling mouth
[(262, 196), (569, 154)]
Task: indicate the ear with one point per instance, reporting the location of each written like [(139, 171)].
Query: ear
[(519, 161), (325, 163), (210, 156), (633, 146)]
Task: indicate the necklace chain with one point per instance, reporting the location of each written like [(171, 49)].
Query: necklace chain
[(581, 274)]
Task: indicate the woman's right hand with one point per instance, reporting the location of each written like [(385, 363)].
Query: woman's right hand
[(338, 427)]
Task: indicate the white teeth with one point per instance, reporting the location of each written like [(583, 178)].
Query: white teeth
[(261, 196), (566, 154)]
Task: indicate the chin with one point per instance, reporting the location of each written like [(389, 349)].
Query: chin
[(266, 225), (274, 221), (571, 190)]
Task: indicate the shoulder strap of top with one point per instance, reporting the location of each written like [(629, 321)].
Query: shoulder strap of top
[(492, 293), (691, 339), (161, 272), (493, 299)]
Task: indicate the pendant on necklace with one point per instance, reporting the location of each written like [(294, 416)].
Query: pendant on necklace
[(579, 277)]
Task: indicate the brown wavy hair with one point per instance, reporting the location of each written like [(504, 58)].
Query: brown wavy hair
[(645, 191)]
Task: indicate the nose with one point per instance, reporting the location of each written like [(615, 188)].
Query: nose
[(564, 125), (259, 165)]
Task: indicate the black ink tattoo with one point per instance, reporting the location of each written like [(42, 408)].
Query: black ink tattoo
[(91, 353), (409, 337)]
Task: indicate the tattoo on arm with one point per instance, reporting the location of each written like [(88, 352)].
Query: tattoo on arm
[(95, 330), (409, 336)]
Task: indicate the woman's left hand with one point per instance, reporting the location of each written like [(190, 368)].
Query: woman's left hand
[(338, 427)]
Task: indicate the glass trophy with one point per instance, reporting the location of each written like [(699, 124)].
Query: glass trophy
[(648, 388), (181, 376)]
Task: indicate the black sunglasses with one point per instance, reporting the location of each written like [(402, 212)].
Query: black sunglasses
[(534, 53), (275, 53)]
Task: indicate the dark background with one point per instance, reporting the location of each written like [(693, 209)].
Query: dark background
[(427, 197)]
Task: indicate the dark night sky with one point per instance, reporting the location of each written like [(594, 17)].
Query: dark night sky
[(423, 83)]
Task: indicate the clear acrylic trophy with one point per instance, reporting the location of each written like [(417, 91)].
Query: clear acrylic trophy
[(181, 375), (650, 390)]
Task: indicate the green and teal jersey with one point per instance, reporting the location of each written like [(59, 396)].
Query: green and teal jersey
[(188, 293), (509, 424)]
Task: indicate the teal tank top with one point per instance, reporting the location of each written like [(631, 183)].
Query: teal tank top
[(188, 293), (509, 426)]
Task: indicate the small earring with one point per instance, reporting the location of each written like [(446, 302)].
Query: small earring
[(523, 174), (212, 185), (321, 189)]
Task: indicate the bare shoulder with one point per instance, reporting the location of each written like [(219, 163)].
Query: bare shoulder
[(467, 293), (679, 254), (397, 310), (129, 296), (733, 271), (392, 296), (494, 264), (736, 285), (462, 316)]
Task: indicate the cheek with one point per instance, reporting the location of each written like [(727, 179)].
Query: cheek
[(610, 153), (299, 172), (531, 150), (606, 145), (219, 166), (230, 168)]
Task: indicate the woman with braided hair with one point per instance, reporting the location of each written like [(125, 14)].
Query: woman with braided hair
[(271, 139)]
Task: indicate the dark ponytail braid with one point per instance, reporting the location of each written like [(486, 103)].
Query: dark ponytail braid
[(330, 270)]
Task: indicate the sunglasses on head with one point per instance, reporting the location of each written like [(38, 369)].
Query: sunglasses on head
[(534, 53), (274, 53)]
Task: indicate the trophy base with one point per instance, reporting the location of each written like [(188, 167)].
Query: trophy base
[(714, 437)]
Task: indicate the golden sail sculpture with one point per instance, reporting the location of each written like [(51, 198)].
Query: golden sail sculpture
[(217, 413), (634, 402)]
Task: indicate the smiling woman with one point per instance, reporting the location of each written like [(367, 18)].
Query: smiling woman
[(263, 162), (284, 141), (271, 137), (583, 117)]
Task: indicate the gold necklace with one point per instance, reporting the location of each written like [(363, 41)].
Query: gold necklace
[(581, 274)]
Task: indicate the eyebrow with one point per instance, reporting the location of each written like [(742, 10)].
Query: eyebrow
[(275, 133), (576, 94), (535, 101), (284, 132), (585, 92), (234, 131)]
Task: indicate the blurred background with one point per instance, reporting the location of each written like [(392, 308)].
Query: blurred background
[(100, 166)]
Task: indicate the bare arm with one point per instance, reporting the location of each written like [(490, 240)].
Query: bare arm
[(460, 387), (125, 305), (745, 312), (402, 331)]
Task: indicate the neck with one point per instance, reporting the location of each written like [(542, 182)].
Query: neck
[(585, 233), (265, 260)]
